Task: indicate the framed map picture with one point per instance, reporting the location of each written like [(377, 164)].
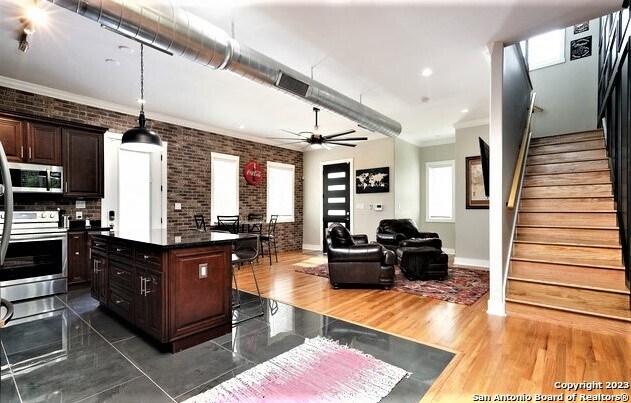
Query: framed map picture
[(476, 198), (373, 180)]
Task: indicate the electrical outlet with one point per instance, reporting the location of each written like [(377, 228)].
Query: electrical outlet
[(178, 206), (79, 215), (203, 270)]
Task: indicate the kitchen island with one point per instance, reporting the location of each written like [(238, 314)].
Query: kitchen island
[(175, 288)]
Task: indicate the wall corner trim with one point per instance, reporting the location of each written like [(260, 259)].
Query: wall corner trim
[(496, 308), (307, 246)]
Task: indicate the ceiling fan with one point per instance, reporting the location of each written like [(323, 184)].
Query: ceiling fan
[(316, 140)]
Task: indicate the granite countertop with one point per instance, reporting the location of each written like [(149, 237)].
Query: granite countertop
[(183, 239)]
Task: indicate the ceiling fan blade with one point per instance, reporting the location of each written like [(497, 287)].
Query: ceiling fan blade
[(344, 144), (330, 136), (294, 133), (326, 146), (349, 139), (283, 138)]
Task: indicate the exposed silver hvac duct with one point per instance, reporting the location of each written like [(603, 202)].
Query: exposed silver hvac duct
[(163, 26)]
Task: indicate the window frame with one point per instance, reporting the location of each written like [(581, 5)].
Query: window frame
[(288, 167), (440, 164), (560, 57), (213, 182)]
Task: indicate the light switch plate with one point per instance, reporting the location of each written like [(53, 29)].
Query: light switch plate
[(203, 270), (80, 204), (178, 206), (360, 206), (178, 239)]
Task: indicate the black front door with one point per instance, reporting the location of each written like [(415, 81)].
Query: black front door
[(336, 197)]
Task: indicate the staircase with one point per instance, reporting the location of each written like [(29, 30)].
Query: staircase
[(567, 260)]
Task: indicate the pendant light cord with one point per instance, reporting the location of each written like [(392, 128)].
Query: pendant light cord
[(142, 78)]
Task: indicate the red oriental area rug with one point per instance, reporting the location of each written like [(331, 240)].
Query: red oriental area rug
[(462, 286), (320, 370)]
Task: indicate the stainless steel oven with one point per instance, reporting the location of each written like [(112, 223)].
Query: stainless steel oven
[(36, 263)]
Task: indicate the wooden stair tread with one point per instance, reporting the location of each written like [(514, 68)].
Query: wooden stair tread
[(568, 284), (568, 167), (567, 263), (530, 210), (568, 137), (565, 173), (562, 152), (568, 244), (557, 161), (584, 140), (624, 318)]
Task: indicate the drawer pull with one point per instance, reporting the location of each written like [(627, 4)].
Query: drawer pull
[(120, 273), (119, 250), (76, 253), (145, 257), (118, 301)]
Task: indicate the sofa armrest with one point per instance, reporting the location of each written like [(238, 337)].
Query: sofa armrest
[(389, 257), (360, 239), (390, 238), (427, 235)]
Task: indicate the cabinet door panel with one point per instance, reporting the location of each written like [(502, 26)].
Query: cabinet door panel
[(83, 163), (12, 137), (77, 270), (43, 144)]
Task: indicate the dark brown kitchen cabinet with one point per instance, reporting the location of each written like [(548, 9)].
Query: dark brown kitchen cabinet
[(78, 262), (148, 301), (12, 137), (99, 284), (83, 163), (31, 142)]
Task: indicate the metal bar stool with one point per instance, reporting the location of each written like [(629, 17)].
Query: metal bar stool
[(270, 238), (246, 251)]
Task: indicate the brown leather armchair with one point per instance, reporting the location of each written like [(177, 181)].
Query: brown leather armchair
[(391, 232), (354, 261)]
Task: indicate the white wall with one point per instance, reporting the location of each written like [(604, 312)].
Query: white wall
[(446, 230), (472, 225), (369, 154), (407, 181), (568, 91)]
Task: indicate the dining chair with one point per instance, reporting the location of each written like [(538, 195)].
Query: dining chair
[(228, 223), (257, 227), (246, 250), (200, 224), (270, 239)]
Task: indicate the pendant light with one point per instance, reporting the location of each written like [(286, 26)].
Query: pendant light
[(140, 138)]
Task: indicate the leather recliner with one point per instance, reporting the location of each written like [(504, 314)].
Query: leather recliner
[(354, 261), (391, 233)]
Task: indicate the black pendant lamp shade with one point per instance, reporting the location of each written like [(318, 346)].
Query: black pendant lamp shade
[(140, 138)]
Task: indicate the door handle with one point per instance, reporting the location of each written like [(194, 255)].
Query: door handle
[(147, 280), (22, 152), (30, 153), (142, 285)]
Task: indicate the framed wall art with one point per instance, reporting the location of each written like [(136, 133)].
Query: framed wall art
[(372, 180), (476, 197)]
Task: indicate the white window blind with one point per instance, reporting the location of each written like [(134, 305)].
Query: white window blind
[(280, 191), (545, 50), (224, 186), (440, 190)]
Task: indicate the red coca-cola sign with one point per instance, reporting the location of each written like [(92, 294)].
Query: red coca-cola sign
[(253, 173)]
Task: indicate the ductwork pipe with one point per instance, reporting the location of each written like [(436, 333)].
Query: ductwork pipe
[(161, 25)]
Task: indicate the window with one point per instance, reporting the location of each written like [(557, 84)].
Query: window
[(280, 191), (224, 188), (440, 190), (544, 50)]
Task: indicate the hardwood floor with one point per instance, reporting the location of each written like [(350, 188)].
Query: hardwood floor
[(495, 355)]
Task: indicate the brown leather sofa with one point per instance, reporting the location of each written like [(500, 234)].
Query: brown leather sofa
[(354, 261), (391, 232)]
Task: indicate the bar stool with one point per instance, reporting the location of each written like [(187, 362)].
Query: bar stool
[(228, 223), (200, 224), (270, 238), (246, 251)]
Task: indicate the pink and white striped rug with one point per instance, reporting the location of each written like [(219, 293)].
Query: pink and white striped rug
[(320, 370)]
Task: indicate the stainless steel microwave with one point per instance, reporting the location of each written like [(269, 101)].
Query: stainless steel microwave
[(33, 178)]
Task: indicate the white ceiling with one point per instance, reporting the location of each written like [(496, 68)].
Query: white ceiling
[(369, 49)]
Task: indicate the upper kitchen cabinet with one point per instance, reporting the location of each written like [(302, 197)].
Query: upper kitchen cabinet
[(31, 142), (83, 163)]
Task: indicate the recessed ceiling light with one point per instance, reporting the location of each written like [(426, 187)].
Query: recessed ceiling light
[(426, 72), (424, 99), (241, 127), (465, 110), (126, 49), (113, 62)]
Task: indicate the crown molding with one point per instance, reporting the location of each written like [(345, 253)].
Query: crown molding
[(111, 106), (471, 123), (438, 142)]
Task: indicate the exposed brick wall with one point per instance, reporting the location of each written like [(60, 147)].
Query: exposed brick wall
[(188, 170)]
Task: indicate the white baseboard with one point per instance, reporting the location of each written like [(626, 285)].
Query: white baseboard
[(449, 251), (471, 262), (497, 308), (307, 246)]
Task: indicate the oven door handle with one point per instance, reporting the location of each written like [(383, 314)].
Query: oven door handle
[(37, 237), (48, 179)]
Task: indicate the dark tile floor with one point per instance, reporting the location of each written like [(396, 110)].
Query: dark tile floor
[(82, 354)]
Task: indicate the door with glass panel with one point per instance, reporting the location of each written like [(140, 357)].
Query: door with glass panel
[(336, 197)]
